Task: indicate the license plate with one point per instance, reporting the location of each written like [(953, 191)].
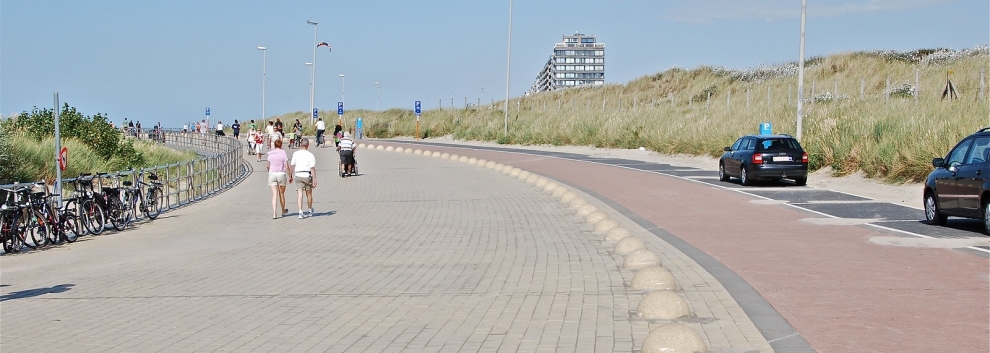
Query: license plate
[(782, 159)]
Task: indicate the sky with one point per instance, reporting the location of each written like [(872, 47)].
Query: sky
[(166, 61)]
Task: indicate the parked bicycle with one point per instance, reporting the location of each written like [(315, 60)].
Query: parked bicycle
[(19, 220), (89, 210), (62, 220)]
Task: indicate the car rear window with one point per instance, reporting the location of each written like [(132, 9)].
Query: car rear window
[(778, 144)]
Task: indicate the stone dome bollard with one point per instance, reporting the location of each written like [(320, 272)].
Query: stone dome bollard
[(585, 210), (541, 182), (662, 304), (566, 197), (550, 186), (653, 278), (409, 150), (389, 148), (628, 245), (463, 159), (360, 145), (615, 234), (400, 149), (380, 148), (490, 165), (558, 192), (640, 259), (604, 225), (498, 167), (418, 151), (453, 157), (436, 154), (472, 161), (594, 217), (673, 338), (445, 155), (532, 178), (480, 162), (524, 174), (515, 172), (507, 169), (371, 146), (576, 203)]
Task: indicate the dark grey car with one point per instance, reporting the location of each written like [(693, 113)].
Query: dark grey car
[(959, 186), (764, 157)]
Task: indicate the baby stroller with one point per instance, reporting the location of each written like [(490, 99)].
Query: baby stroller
[(293, 140)]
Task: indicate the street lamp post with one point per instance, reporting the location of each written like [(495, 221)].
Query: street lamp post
[(508, 63), (264, 69), (312, 72), (800, 89), (341, 118), (379, 99)]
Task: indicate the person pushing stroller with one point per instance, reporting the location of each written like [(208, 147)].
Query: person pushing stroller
[(346, 149)]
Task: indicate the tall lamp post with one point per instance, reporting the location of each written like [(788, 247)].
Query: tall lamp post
[(508, 62), (379, 99), (341, 120), (264, 69), (312, 72), (800, 97)]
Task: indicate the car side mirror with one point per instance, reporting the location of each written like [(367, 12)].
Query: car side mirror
[(938, 162), (954, 166), (727, 149)]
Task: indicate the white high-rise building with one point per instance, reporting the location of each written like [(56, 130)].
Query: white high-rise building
[(578, 61)]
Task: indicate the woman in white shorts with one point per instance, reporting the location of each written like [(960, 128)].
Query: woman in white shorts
[(278, 162)]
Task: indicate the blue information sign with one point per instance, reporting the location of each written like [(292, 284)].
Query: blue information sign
[(419, 108), (340, 108), (766, 129), (315, 113), (207, 111)]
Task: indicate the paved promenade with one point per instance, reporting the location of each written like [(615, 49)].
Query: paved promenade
[(417, 254)]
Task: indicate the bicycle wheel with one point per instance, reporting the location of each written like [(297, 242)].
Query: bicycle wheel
[(116, 214), (69, 227), (38, 228), (11, 239), (92, 217), (153, 208)]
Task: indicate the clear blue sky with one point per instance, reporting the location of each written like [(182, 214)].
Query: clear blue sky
[(168, 60)]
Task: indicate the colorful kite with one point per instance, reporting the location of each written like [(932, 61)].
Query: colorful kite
[(324, 44)]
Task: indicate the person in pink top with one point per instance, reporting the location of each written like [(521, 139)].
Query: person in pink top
[(278, 162)]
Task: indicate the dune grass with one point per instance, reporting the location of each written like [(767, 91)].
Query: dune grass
[(854, 121)]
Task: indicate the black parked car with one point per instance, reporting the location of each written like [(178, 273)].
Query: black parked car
[(959, 185), (766, 157)]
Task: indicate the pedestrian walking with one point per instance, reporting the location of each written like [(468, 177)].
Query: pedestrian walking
[(237, 129), (302, 168), (278, 164)]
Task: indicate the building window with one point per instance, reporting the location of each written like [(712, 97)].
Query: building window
[(587, 40), (569, 52), (599, 53), (558, 52), (570, 60)]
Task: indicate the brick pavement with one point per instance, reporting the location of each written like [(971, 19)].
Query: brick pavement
[(416, 255)]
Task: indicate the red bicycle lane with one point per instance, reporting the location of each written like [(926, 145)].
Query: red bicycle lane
[(838, 290)]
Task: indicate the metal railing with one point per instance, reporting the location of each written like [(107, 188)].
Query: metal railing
[(220, 165)]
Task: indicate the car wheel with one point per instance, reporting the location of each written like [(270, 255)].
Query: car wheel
[(744, 176), (801, 181), (721, 173), (986, 217), (932, 212)]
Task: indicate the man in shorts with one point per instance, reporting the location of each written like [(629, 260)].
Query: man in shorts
[(346, 149), (302, 168)]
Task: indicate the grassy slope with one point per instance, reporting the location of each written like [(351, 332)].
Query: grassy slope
[(892, 140), (37, 159)]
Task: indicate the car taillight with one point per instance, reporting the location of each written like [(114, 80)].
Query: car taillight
[(757, 159), (804, 157)]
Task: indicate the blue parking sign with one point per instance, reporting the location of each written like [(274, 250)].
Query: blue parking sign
[(207, 111), (340, 108), (419, 108), (315, 113)]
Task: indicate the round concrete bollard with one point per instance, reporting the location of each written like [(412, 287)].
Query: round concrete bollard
[(360, 145), (532, 178), (400, 149), (640, 259), (380, 148), (523, 175), (472, 161), (594, 217), (566, 197), (662, 304), (586, 209), (605, 225), (371, 146), (480, 162), (498, 167), (463, 159), (515, 172), (418, 151), (560, 190), (541, 182), (577, 202), (673, 338), (408, 150), (615, 234), (507, 169), (390, 148), (490, 165), (445, 155), (454, 157), (628, 245), (436, 154), (550, 187), (653, 278)]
